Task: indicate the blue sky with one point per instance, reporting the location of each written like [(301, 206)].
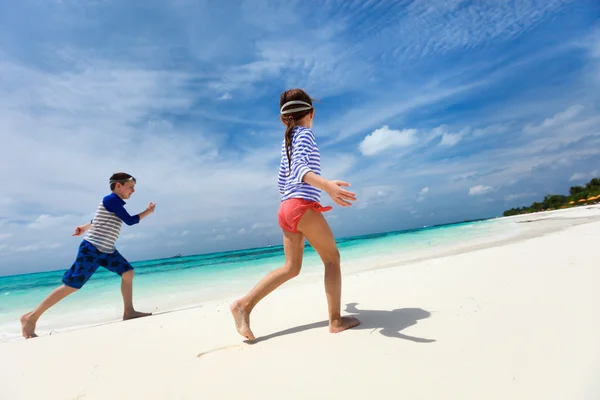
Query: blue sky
[(434, 111)]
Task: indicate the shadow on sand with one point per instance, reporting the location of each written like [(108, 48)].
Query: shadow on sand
[(388, 323)]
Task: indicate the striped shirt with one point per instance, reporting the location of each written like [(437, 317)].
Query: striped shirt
[(305, 158), (106, 225)]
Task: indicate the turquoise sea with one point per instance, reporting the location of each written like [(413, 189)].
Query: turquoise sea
[(173, 283)]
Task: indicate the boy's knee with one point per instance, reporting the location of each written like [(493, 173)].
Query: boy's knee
[(128, 276), (69, 289)]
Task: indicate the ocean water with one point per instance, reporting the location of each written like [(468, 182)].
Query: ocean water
[(174, 283)]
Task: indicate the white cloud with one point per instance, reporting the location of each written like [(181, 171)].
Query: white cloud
[(450, 139), (494, 129), (480, 190), (336, 165), (415, 214), (261, 225), (592, 45), (581, 176), (46, 221), (370, 195), (316, 57), (423, 193), (175, 243), (515, 196), (7, 249), (372, 114), (426, 29), (220, 237), (135, 236), (556, 120), (384, 138)]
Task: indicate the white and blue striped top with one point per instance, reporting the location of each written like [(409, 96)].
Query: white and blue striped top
[(305, 158), (106, 225)]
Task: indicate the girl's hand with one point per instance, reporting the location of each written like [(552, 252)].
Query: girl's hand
[(341, 196)]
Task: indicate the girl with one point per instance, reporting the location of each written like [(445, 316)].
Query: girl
[(300, 184)]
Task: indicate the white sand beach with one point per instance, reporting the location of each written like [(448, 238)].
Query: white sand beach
[(515, 319)]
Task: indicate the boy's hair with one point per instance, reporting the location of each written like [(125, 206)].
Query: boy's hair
[(120, 177), (291, 118)]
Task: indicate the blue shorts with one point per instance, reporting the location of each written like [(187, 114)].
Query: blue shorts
[(88, 260)]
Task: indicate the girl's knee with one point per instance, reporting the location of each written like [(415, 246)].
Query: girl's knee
[(293, 269), (332, 260)]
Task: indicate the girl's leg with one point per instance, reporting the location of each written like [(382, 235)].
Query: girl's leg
[(293, 247), (318, 233), (29, 320)]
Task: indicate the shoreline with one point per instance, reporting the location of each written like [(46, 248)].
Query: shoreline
[(349, 267), (494, 323), (411, 230)]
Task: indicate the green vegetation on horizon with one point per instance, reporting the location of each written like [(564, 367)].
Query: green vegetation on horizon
[(554, 201)]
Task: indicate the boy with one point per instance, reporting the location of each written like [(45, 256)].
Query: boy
[(98, 248)]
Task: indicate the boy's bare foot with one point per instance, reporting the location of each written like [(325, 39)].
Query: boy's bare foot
[(342, 324), (27, 327), (135, 314), (242, 320)]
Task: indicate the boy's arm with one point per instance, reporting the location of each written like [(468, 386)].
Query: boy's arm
[(80, 229), (149, 210), (113, 205)]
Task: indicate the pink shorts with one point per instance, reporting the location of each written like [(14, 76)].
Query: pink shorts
[(291, 210)]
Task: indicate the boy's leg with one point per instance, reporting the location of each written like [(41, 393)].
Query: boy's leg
[(74, 278), (29, 320), (318, 233), (293, 247), (127, 292), (118, 264)]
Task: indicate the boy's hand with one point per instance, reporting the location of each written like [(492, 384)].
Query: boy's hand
[(339, 195), (149, 210), (79, 230), (150, 207)]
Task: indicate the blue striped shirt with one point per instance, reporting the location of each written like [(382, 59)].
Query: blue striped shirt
[(305, 158)]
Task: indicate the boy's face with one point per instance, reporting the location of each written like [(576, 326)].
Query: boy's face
[(125, 190)]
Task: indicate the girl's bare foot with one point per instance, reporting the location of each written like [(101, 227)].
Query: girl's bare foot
[(242, 320), (27, 327), (342, 324), (135, 314)]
